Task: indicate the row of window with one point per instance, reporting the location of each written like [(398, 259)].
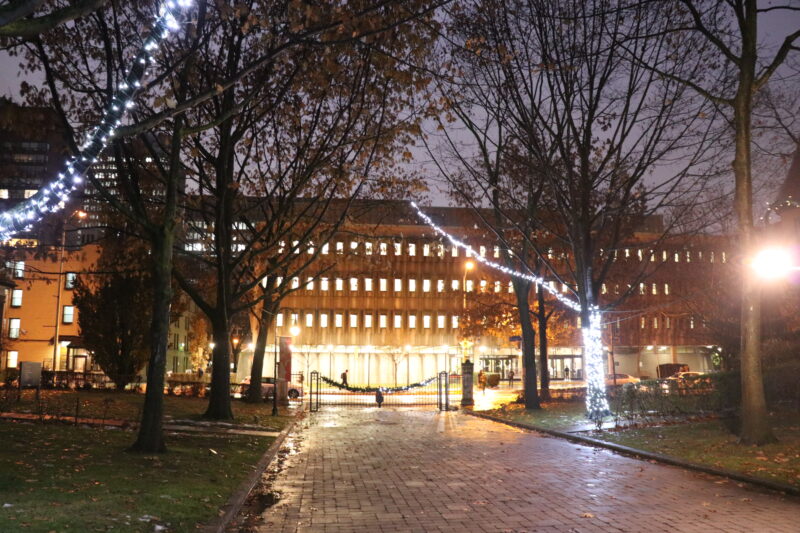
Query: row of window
[(17, 269), (15, 324), (341, 319), (644, 288), (397, 284), (687, 256)]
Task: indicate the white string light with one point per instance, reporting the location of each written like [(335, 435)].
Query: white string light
[(53, 197), (596, 402)]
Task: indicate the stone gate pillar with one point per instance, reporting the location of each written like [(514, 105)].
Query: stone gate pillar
[(466, 384)]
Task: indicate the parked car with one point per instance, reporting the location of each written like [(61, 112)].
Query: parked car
[(295, 390), (684, 382), (620, 379)]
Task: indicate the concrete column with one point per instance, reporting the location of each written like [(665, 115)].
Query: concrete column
[(466, 384)]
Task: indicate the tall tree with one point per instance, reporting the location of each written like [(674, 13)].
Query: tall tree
[(724, 60), (588, 127)]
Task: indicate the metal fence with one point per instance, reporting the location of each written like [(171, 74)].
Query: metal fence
[(440, 390)]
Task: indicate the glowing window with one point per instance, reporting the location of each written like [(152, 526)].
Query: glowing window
[(398, 321), (412, 249), (398, 285), (383, 321), (309, 284), (426, 285), (454, 251), (323, 320), (383, 248), (13, 358), (412, 285), (338, 320), (323, 284), (326, 248), (469, 285), (339, 284), (353, 320), (368, 284), (368, 320), (454, 322), (353, 284), (412, 321), (309, 320), (426, 321), (440, 285), (367, 248), (383, 284), (295, 282), (398, 248), (279, 320), (454, 284), (441, 321), (426, 250), (339, 247), (16, 298)]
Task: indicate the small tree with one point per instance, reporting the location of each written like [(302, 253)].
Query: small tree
[(114, 313)]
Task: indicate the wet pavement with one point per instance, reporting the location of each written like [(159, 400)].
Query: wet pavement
[(404, 470)]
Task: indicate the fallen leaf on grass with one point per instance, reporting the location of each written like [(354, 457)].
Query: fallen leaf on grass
[(587, 515)]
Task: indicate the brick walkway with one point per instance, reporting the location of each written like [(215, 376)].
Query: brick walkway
[(370, 470)]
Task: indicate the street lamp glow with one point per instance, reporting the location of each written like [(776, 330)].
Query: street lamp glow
[(469, 265), (294, 331), (772, 263)]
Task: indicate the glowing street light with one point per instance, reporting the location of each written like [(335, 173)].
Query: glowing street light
[(773, 263)]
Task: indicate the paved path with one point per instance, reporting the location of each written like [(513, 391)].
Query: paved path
[(370, 470)]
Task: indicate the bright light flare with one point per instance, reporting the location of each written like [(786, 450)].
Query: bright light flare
[(773, 263)]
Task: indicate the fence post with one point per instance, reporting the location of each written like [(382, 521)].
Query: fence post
[(466, 384)]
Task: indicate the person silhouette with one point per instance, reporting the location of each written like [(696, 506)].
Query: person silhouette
[(344, 378)]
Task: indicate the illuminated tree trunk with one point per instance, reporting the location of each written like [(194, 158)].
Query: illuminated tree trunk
[(522, 290)]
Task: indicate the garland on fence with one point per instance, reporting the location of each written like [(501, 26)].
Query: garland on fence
[(388, 390)]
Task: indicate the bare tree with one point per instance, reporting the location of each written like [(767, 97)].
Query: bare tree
[(608, 141)]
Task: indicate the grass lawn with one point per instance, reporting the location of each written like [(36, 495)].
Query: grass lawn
[(127, 406), (711, 444), (55, 477), (552, 415)]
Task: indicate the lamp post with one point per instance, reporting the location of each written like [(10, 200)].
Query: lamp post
[(468, 266), (294, 331), (56, 344)]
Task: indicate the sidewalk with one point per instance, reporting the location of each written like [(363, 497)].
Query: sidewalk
[(400, 470)]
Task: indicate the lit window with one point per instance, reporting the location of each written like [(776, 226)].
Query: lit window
[(641, 288), (398, 248), (309, 284), (454, 284), (279, 320), (16, 298), (441, 321), (368, 320), (677, 257), (483, 251), (353, 320), (383, 248), (664, 255), (4, 194), (309, 320), (398, 285), (655, 322), (69, 314), (338, 320), (564, 288), (323, 284), (412, 321), (603, 289), (426, 250), (666, 288), (17, 268), (496, 252), (578, 322), (412, 285), (469, 285), (627, 253), (426, 285), (295, 318), (311, 249), (353, 284), (642, 323), (30, 192), (367, 248), (639, 254), (691, 322), (354, 247), (296, 247), (13, 328), (652, 256), (724, 257), (383, 284), (13, 356), (510, 287), (323, 320), (368, 284), (326, 248), (711, 257), (440, 250), (440, 285), (339, 284), (688, 256), (70, 279), (667, 323), (398, 321), (295, 282), (281, 246), (383, 321), (654, 289), (454, 322), (339, 247), (454, 251), (426, 321), (412, 249)]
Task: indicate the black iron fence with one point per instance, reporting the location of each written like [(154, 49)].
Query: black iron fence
[(441, 390)]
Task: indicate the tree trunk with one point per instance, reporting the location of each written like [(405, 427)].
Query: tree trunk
[(151, 435), (522, 291), (219, 401), (264, 325), (755, 427), (544, 371)]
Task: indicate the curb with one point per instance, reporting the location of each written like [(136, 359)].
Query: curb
[(641, 454), (237, 499)]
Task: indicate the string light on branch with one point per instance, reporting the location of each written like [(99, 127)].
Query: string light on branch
[(596, 402), (54, 196)]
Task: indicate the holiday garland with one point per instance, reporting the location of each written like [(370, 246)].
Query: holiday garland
[(385, 390)]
